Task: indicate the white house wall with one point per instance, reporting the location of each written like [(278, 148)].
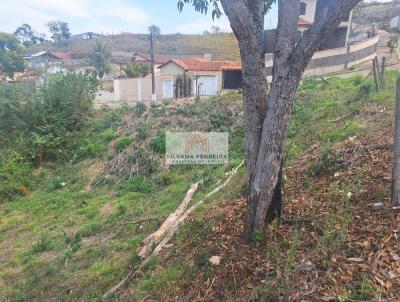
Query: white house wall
[(310, 10)]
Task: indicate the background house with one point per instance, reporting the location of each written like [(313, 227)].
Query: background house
[(44, 61), (206, 78), (395, 23), (309, 10)]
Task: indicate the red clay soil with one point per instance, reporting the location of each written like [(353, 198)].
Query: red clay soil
[(325, 267)]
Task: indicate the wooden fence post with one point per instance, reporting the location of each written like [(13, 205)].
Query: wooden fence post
[(376, 74), (396, 152), (383, 66)]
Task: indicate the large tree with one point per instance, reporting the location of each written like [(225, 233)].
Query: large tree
[(27, 35), (10, 60), (59, 30), (266, 116)]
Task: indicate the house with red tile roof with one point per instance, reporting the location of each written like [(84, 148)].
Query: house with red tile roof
[(208, 77), (182, 78)]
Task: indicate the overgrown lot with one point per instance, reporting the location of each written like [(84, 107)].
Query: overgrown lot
[(60, 228)]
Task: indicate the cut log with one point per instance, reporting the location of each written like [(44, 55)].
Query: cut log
[(181, 219), (154, 238)]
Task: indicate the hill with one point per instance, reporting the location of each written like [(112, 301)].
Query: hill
[(222, 46), (376, 12)]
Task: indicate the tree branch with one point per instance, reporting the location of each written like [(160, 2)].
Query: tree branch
[(326, 22)]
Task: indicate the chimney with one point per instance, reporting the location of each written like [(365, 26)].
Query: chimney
[(208, 56)]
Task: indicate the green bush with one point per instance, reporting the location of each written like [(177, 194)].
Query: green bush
[(139, 184), (99, 145), (137, 70), (95, 149), (61, 112), (143, 131), (218, 119), (15, 173), (123, 142), (166, 178), (140, 108), (157, 144)]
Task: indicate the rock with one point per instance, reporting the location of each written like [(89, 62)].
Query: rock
[(392, 275), (305, 265), (377, 205), (395, 256), (215, 260)]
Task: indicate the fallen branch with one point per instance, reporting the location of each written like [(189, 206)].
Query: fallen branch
[(137, 222), (173, 227), (154, 238)]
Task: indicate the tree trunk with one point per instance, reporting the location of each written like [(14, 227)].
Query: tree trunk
[(267, 121)]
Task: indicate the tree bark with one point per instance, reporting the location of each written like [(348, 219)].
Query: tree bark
[(266, 122)]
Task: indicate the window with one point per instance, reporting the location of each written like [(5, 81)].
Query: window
[(303, 8)]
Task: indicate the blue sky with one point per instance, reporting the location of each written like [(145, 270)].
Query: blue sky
[(109, 16)]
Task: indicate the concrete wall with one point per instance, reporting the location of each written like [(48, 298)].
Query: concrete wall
[(136, 90), (333, 60), (395, 22), (336, 39)]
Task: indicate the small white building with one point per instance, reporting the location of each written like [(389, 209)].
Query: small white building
[(395, 23)]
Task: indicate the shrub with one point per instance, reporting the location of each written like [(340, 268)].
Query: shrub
[(60, 113), (95, 149), (139, 184), (143, 131), (157, 144), (15, 174), (123, 143), (166, 178), (137, 70), (43, 244), (100, 144), (140, 108), (327, 162)]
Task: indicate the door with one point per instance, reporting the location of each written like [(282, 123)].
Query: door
[(168, 89), (207, 85)]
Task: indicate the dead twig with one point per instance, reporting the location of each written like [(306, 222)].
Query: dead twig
[(137, 222)]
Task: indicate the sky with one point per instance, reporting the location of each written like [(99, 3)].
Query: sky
[(112, 16)]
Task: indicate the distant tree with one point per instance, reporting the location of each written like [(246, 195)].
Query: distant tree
[(215, 29), (9, 42), (42, 38), (26, 35), (137, 70), (155, 30), (10, 61), (59, 30), (100, 58)]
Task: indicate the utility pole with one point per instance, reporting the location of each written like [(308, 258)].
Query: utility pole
[(153, 74)]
